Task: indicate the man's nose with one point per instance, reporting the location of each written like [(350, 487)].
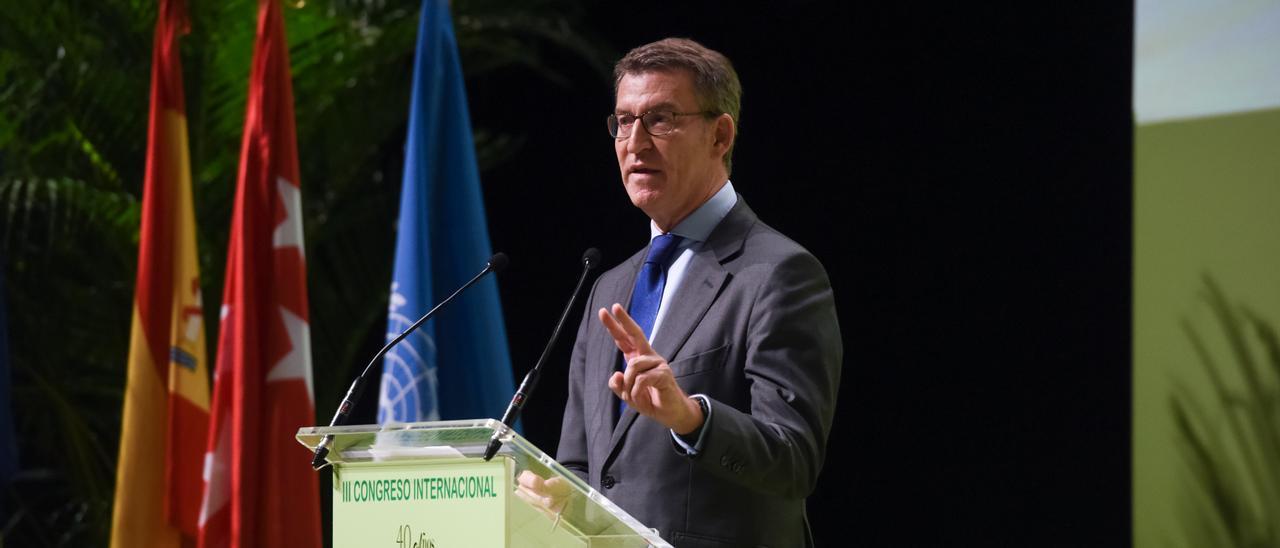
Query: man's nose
[(639, 139)]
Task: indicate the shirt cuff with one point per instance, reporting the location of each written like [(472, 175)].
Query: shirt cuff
[(693, 450)]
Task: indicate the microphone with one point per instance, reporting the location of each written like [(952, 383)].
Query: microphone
[(590, 259), (496, 263)]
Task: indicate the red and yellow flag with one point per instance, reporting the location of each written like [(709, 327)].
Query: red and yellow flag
[(260, 489), (166, 404)]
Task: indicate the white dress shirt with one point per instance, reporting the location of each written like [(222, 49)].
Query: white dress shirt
[(694, 229)]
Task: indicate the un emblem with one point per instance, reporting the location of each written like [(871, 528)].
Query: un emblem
[(409, 382)]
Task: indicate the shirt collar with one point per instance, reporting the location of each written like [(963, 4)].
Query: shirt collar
[(699, 224)]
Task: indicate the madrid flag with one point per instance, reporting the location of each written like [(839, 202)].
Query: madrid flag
[(259, 489), (166, 403)]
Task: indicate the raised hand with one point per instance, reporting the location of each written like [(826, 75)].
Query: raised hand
[(648, 385)]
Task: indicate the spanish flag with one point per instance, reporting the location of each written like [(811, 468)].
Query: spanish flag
[(166, 403)]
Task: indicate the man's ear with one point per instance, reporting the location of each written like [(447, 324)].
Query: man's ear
[(726, 132)]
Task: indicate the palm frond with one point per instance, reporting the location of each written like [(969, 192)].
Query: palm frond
[(1232, 444), (74, 80)]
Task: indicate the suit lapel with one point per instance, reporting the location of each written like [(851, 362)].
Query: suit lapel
[(703, 279), (606, 355)]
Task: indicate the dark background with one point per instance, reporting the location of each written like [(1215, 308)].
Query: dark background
[(964, 174)]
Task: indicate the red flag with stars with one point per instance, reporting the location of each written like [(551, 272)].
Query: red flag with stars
[(259, 488)]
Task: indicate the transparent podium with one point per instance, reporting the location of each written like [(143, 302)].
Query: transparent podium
[(424, 485)]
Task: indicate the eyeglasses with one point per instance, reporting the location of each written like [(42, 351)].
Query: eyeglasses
[(656, 122)]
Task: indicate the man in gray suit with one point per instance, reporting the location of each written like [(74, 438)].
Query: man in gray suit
[(702, 408)]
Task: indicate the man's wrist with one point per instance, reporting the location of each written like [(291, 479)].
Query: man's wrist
[(697, 417)]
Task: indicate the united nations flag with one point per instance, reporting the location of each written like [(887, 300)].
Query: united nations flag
[(457, 365)]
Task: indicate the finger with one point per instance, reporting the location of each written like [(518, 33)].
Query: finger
[(654, 393), (645, 362), (632, 329), (546, 504), (530, 480), (557, 505), (652, 397), (528, 493), (616, 385), (623, 340), (643, 397), (557, 486), (638, 365)]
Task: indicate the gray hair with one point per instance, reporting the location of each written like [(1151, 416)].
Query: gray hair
[(715, 83)]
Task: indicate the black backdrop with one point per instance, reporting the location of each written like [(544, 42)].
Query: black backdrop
[(964, 174)]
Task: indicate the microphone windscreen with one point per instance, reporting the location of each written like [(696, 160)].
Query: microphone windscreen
[(592, 258), (498, 262)]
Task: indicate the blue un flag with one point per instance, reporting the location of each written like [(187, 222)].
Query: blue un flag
[(457, 365)]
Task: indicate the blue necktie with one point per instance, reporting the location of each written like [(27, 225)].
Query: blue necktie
[(647, 295)]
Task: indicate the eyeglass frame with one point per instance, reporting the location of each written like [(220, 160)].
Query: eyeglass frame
[(612, 122)]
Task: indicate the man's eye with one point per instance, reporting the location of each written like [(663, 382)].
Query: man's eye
[(626, 119), (659, 118)]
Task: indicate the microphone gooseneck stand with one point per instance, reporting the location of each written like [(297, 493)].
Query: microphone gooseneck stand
[(590, 259), (496, 263)]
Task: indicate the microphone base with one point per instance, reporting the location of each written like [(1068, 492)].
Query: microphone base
[(492, 448), (318, 462)]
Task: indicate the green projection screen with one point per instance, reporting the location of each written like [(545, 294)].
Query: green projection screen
[(1206, 286)]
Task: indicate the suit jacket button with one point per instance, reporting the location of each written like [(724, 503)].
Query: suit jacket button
[(607, 482)]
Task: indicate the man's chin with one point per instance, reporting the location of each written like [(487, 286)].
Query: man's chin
[(643, 205), (643, 195)]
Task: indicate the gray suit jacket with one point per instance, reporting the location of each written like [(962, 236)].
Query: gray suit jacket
[(753, 327)]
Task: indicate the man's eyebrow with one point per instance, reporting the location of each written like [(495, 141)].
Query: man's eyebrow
[(666, 105)]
